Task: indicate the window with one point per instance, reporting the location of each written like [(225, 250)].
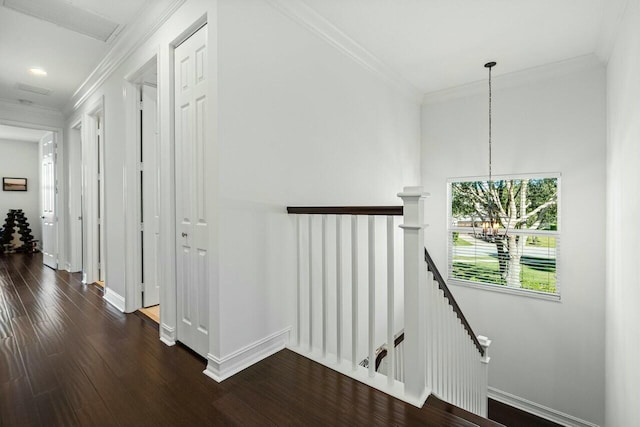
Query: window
[(504, 234)]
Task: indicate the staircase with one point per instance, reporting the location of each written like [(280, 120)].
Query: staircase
[(360, 281)]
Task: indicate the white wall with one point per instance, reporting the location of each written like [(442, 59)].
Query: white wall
[(292, 122), (20, 159), (623, 231), (550, 119), (300, 124)]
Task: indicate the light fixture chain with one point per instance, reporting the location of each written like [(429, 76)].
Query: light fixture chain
[(490, 125)]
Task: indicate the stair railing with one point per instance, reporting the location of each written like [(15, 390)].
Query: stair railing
[(347, 262), (457, 359), (359, 282)]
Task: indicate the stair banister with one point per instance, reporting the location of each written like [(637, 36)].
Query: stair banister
[(415, 386)]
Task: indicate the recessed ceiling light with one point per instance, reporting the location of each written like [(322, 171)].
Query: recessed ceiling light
[(37, 71)]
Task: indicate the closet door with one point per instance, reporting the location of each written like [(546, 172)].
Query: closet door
[(150, 206), (48, 204), (192, 221)]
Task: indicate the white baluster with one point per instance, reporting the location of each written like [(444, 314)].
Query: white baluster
[(391, 374), (455, 327), (468, 368), (447, 350), (310, 283), (372, 296), (339, 288), (441, 345), (429, 331), (299, 279), (434, 333), (354, 292), (459, 361), (325, 288)]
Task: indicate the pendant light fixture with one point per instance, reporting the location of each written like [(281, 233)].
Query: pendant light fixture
[(492, 224)]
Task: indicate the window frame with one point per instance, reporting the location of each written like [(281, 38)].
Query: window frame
[(494, 287)]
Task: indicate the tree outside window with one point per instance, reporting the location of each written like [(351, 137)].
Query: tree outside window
[(505, 232)]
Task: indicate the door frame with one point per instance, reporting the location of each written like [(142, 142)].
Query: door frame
[(168, 226), (74, 206), (58, 132), (90, 202), (131, 182)]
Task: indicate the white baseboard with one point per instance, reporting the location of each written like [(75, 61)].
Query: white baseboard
[(167, 334), (114, 299), (537, 409), (224, 367)]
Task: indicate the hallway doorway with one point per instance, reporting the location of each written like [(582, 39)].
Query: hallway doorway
[(29, 154)]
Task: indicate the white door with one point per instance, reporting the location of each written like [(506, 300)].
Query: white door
[(149, 197), (192, 254), (48, 204), (101, 234)]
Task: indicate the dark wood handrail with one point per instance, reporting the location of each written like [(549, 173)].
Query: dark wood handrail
[(346, 210), (452, 301), (383, 352)]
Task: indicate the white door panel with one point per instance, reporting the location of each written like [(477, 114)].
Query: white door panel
[(191, 189), (150, 205), (48, 204)]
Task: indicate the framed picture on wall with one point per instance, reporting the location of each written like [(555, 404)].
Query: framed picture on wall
[(14, 184)]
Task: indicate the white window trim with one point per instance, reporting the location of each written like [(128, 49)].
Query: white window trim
[(492, 287)]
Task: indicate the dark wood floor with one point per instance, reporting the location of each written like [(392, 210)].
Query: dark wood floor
[(69, 358)]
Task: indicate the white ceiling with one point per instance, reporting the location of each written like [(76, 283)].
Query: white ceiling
[(433, 44), (13, 133), (67, 56), (438, 44)]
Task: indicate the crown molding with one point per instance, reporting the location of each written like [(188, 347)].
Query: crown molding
[(131, 38), (613, 12), (515, 79), (307, 17)]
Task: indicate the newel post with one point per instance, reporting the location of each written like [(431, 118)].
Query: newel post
[(484, 404), (415, 386)]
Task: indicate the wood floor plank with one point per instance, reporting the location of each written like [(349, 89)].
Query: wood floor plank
[(54, 408), (17, 407), (69, 358), (11, 366)]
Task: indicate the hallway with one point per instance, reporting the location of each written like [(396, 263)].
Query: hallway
[(69, 358)]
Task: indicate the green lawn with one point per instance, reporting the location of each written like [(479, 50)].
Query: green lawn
[(461, 242), (541, 241), (537, 274)]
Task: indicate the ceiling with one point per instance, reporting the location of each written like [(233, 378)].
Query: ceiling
[(432, 44), (438, 44), (68, 56)]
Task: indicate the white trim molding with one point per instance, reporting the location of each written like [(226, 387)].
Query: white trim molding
[(114, 298), (515, 79), (221, 368), (307, 17), (133, 36), (167, 334), (537, 409)]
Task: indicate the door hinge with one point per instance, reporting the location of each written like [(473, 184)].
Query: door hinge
[(141, 226), (142, 286)]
